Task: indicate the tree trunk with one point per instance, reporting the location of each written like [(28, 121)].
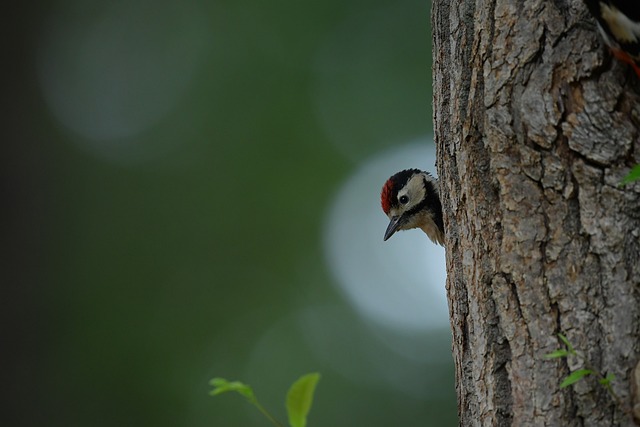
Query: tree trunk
[(535, 127)]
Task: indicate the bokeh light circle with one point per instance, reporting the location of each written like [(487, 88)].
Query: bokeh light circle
[(109, 73), (401, 282)]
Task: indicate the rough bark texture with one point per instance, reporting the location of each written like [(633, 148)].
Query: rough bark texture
[(536, 125)]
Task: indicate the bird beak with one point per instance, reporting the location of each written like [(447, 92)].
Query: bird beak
[(393, 226)]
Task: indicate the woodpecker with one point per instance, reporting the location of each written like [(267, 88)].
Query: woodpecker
[(410, 199), (619, 25)]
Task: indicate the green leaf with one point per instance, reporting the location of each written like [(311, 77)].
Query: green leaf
[(575, 376), (567, 343), (607, 380), (557, 353), (222, 386), (633, 175), (300, 398)]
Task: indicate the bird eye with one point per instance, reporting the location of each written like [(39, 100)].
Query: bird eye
[(403, 199)]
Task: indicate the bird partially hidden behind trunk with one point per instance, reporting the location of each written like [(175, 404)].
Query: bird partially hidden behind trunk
[(619, 25), (410, 199)]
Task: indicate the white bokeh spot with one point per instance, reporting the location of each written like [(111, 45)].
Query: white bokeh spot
[(401, 282)]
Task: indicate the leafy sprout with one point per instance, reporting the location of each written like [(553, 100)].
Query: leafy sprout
[(633, 175), (298, 402)]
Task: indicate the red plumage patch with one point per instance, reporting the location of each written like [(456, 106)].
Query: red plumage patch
[(625, 57), (386, 196)]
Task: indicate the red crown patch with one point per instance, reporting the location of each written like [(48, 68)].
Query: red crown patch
[(386, 196)]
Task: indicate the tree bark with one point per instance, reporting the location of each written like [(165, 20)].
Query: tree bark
[(536, 126)]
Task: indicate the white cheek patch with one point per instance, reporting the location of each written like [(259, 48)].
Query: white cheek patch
[(624, 29), (415, 192)]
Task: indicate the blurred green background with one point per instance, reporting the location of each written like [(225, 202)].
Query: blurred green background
[(169, 173)]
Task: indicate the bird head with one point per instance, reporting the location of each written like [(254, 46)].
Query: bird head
[(410, 200)]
